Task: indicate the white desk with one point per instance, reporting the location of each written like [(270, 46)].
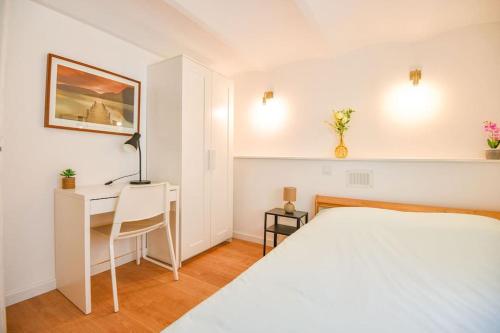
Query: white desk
[(75, 212)]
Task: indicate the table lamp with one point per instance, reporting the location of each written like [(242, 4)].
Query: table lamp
[(289, 195), (132, 145)]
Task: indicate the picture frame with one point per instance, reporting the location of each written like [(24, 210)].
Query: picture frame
[(87, 98)]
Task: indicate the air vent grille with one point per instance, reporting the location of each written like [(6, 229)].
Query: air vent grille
[(359, 178)]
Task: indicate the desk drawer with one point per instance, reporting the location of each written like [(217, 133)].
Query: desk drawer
[(102, 205)]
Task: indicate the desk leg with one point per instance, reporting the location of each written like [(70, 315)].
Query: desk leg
[(177, 239), (72, 249)]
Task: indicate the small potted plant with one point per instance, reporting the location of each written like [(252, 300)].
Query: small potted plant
[(68, 180), (493, 139), (340, 124)]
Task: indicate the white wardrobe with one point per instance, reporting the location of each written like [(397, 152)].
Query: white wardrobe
[(190, 143)]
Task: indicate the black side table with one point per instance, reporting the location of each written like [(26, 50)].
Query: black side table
[(282, 229)]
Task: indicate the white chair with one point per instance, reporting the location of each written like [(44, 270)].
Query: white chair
[(140, 209)]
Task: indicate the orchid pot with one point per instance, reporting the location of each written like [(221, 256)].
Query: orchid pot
[(492, 154)]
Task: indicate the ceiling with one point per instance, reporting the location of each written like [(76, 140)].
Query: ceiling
[(241, 35)]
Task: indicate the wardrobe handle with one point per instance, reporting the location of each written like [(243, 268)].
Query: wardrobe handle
[(211, 159), (208, 160)]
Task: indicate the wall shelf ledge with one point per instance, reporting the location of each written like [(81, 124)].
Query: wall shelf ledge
[(372, 159)]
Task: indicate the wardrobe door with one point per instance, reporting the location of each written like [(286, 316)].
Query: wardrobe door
[(221, 160), (195, 222)]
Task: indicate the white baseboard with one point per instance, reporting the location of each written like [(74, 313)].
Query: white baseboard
[(252, 238), (36, 289)]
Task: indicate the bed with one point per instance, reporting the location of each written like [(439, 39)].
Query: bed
[(365, 266)]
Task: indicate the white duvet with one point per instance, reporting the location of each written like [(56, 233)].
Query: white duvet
[(366, 270)]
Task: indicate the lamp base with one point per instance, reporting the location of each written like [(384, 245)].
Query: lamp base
[(140, 182), (289, 208)]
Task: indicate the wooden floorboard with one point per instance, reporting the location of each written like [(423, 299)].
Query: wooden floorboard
[(149, 297)]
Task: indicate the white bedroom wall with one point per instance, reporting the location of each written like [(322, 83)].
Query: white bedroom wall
[(460, 67), (33, 155)]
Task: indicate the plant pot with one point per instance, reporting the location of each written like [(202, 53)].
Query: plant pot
[(68, 183), (341, 150), (492, 154)]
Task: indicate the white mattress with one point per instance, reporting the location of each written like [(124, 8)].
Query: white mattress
[(366, 270)]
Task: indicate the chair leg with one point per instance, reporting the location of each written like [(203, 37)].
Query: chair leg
[(113, 274), (138, 249), (144, 246), (173, 257)]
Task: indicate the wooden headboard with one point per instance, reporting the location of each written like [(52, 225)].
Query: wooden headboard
[(322, 201)]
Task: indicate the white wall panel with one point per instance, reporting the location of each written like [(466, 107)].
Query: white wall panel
[(259, 182)]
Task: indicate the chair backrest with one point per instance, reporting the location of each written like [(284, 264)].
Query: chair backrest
[(140, 202)]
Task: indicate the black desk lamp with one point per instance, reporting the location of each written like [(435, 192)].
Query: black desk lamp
[(133, 145)]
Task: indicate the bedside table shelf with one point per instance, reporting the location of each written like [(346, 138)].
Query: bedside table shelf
[(282, 229)]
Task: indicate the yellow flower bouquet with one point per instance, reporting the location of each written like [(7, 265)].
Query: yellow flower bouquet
[(340, 124)]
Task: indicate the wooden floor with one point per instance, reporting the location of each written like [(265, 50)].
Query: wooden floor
[(149, 297)]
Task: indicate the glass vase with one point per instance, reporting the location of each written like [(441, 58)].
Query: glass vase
[(341, 150)]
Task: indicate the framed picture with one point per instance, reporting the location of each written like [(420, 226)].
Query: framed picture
[(86, 98)]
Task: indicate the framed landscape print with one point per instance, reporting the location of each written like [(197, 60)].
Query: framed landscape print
[(86, 98)]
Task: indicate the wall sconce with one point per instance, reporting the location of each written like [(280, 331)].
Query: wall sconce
[(268, 114), (267, 95), (415, 76), (414, 101)]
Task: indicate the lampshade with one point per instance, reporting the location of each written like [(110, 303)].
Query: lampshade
[(289, 194), (132, 143)]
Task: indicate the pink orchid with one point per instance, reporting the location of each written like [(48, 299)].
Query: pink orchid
[(493, 133)]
